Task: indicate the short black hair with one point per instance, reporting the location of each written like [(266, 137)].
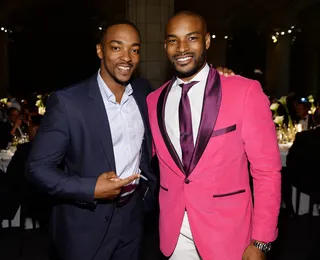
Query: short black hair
[(10, 109), (191, 13), (104, 26)]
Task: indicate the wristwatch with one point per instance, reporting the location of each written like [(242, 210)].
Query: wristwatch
[(264, 247)]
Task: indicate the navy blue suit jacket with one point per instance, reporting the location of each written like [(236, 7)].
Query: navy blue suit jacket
[(75, 130)]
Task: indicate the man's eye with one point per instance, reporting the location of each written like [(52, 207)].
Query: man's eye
[(115, 48), (172, 41), (136, 51), (193, 38)]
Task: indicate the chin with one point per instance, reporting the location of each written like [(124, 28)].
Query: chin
[(122, 79), (185, 73), (184, 69)]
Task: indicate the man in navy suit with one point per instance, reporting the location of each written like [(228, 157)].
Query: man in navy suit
[(99, 130)]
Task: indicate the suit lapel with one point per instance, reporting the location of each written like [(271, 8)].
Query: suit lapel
[(142, 105), (210, 111), (99, 120), (161, 122)]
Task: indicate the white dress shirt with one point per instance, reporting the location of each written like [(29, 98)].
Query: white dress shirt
[(127, 130), (195, 95), (304, 123)]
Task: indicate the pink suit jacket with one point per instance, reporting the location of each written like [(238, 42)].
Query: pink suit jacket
[(237, 128)]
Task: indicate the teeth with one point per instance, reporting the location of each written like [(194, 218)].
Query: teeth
[(184, 59), (123, 68)]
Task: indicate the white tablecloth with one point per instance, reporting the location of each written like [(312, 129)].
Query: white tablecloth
[(304, 198), (5, 158)]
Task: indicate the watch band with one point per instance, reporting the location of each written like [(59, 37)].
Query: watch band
[(264, 247)]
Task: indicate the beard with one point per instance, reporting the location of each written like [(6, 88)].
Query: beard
[(114, 76), (199, 62)]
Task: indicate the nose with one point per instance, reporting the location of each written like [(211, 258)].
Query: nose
[(126, 55), (182, 46)]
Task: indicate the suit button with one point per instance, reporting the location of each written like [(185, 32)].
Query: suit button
[(186, 181), (106, 218)]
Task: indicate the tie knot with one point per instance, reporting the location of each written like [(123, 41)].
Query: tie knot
[(186, 87)]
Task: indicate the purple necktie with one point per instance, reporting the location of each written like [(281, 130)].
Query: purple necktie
[(185, 123)]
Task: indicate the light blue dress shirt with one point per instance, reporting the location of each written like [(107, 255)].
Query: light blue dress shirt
[(127, 130)]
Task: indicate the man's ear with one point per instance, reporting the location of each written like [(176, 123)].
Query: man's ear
[(208, 40), (99, 51)]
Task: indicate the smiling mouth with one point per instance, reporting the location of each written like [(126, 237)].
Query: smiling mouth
[(124, 69), (183, 60)]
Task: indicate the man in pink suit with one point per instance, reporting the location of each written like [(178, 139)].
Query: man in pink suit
[(206, 129)]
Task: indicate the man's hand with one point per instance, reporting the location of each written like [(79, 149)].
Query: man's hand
[(109, 186), (253, 253), (16, 125), (225, 71)]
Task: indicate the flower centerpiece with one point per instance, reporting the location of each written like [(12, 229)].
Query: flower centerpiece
[(4, 101), (40, 105), (285, 132), (313, 107)]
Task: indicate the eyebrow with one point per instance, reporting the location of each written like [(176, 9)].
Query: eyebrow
[(135, 44), (173, 35)]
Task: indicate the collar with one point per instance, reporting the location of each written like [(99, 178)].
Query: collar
[(108, 93), (201, 76)]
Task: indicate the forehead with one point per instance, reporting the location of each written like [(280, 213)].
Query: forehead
[(14, 112), (184, 24), (122, 32)]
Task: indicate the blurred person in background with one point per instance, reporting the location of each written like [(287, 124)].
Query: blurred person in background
[(10, 128)]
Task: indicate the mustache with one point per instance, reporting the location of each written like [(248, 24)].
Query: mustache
[(183, 54), (125, 64)]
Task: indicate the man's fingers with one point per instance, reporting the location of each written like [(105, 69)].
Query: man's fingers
[(220, 70), (231, 72), (110, 175), (115, 179), (127, 180)]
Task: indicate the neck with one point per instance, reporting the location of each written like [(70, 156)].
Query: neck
[(116, 88), (186, 79)]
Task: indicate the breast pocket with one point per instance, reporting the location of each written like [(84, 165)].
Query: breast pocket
[(228, 193), (223, 131)]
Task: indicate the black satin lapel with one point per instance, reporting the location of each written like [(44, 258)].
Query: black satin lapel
[(99, 123), (210, 111), (160, 114)]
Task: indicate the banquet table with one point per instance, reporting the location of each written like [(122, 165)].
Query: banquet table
[(304, 198), (5, 158)]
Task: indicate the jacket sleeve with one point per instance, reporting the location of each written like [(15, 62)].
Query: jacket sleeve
[(261, 147), (49, 148)]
